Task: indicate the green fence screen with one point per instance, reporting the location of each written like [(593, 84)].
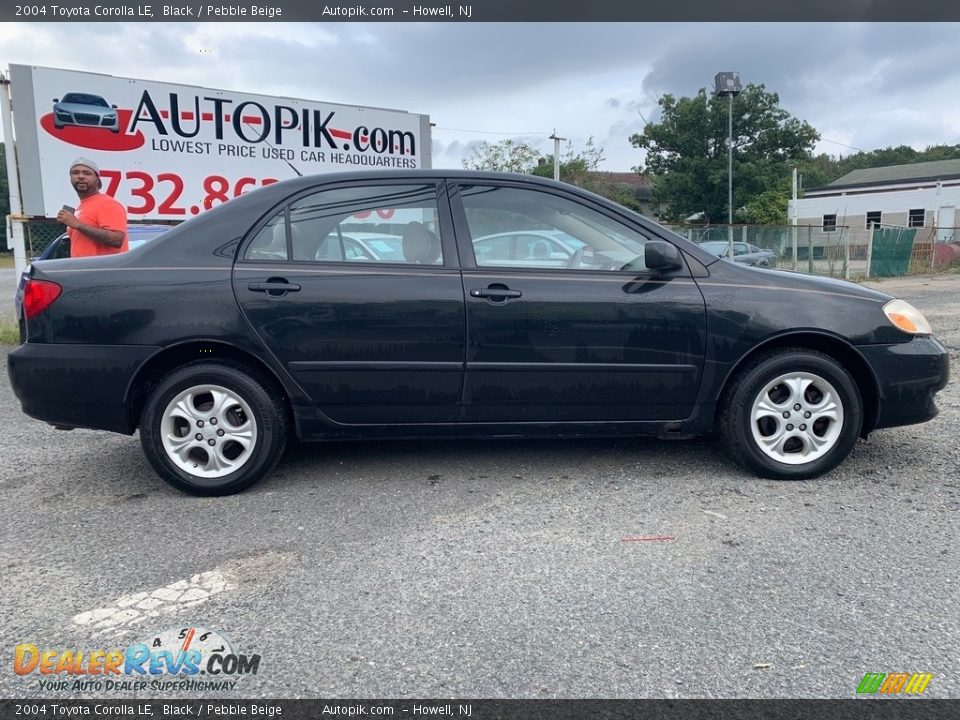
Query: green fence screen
[(892, 250)]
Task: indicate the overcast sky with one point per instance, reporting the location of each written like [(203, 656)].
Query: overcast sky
[(860, 85)]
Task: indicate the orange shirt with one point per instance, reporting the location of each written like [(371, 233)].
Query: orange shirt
[(101, 211)]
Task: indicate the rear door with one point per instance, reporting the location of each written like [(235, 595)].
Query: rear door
[(600, 339), (369, 340)]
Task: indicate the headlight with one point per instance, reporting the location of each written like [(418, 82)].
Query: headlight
[(906, 317)]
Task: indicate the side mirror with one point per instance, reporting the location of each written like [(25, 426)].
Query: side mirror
[(56, 99), (114, 107), (661, 255)]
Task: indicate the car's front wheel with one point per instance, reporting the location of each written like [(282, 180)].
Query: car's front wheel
[(791, 414), (213, 428)]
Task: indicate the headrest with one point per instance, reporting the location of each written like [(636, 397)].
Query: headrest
[(419, 244)]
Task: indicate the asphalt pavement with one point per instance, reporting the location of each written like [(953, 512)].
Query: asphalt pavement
[(507, 569)]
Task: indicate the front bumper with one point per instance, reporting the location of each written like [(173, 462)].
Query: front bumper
[(908, 375), (77, 385)]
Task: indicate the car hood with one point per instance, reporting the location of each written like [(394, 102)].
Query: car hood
[(794, 279)]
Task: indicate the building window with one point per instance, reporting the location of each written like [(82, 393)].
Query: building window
[(916, 218), (873, 219), (830, 222)]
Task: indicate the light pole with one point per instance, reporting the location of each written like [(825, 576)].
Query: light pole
[(728, 84)]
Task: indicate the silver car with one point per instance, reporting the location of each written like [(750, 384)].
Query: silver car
[(742, 253), (85, 110)]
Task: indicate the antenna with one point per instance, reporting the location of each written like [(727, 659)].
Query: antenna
[(290, 164)]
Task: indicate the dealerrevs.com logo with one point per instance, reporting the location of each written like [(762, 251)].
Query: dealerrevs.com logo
[(179, 659), (223, 119), (894, 683)]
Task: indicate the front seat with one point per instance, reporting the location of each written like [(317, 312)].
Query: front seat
[(420, 245)]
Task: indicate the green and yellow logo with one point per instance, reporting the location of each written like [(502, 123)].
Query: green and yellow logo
[(894, 683)]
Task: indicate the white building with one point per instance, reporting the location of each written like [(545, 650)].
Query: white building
[(920, 195)]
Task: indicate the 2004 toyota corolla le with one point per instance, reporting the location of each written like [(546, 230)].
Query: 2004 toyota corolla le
[(245, 325)]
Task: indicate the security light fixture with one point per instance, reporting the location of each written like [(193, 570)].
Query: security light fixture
[(727, 83)]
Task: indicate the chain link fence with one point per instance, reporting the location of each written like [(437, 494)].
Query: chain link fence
[(39, 234), (842, 251)]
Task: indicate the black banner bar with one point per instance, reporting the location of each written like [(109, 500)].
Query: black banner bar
[(230, 709), (482, 11)]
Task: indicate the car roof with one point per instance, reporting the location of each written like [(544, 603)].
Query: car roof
[(135, 229)]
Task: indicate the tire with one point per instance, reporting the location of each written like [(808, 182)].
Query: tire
[(758, 436), (213, 428)]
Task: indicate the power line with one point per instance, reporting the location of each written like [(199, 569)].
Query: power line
[(852, 147), (491, 132)]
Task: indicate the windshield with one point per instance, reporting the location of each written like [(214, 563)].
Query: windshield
[(84, 99)]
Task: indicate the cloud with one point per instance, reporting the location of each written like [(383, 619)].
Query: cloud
[(864, 84)]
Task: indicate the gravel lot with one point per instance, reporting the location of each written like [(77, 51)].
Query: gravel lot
[(501, 569)]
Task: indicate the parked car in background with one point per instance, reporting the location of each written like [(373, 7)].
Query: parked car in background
[(59, 249), (547, 248), (217, 352), (742, 253), (85, 110), (360, 246)]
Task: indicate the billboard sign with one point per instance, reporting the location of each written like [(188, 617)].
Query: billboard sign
[(171, 151)]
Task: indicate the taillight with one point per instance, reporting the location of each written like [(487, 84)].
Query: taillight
[(38, 296)]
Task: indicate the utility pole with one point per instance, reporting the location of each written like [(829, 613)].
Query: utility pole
[(556, 154), (15, 240)]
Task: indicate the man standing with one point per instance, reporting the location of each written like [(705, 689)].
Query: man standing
[(100, 224)]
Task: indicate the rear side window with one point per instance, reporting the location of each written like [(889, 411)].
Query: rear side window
[(381, 224)]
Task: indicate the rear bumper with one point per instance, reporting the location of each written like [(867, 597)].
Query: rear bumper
[(909, 375), (77, 385)]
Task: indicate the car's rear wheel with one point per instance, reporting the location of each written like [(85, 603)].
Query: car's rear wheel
[(213, 428), (791, 414)]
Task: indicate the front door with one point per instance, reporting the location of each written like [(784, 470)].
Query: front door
[(356, 294), (576, 329)]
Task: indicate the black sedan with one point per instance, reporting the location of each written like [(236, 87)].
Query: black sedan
[(218, 351)]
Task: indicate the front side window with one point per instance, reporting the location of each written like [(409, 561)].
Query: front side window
[(382, 224), (521, 228)]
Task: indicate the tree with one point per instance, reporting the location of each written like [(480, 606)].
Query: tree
[(504, 156), (687, 152), (824, 169), (769, 207), (577, 167)]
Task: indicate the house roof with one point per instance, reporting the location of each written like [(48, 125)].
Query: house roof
[(627, 178), (892, 174), (639, 185)]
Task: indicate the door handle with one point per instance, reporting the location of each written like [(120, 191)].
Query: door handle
[(495, 293), (273, 287)]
